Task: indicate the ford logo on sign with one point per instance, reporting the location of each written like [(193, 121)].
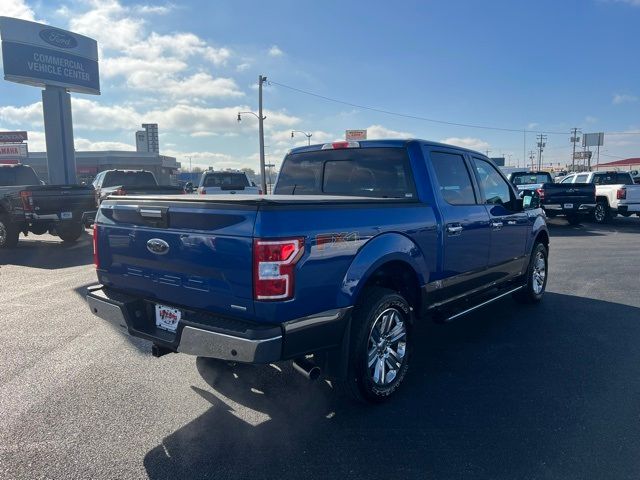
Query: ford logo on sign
[(58, 38), (158, 246)]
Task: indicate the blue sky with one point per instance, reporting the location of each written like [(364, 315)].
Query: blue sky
[(190, 66)]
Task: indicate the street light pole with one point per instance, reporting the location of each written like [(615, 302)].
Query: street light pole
[(263, 179), (308, 135)]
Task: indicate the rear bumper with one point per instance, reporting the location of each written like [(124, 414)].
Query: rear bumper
[(84, 217), (224, 338), (560, 208), (629, 208)]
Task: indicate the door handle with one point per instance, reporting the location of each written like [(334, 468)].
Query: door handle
[(496, 225), (454, 229)]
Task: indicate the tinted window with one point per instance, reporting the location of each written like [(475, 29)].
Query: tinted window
[(496, 189), (18, 176), (528, 179), (367, 172), (225, 179), (453, 178), (128, 179)]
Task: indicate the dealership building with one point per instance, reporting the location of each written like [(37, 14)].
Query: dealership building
[(88, 164)]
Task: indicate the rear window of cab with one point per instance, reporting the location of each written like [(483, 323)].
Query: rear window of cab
[(362, 172)]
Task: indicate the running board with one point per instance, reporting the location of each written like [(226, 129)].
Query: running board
[(486, 302)]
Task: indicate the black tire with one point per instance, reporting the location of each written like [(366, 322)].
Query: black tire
[(602, 212), (9, 233), (368, 316), (573, 219), (70, 233), (531, 292)]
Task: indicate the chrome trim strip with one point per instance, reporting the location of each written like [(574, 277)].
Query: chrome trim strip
[(484, 303)]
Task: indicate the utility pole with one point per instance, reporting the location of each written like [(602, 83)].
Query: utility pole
[(541, 144), (487, 152), (261, 118), (574, 139), (532, 155)]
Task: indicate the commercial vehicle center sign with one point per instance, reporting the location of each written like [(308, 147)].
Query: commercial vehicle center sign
[(39, 55)]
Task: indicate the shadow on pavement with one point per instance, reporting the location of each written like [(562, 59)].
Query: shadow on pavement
[(545, 391), (48, 252), (558, 227)]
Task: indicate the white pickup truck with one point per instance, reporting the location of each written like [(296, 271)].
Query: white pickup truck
[(613, 192), (220, 182)]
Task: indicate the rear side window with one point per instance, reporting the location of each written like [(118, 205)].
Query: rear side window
[(364, 172), (613, 178), (17, 176), (129, 179), (225, 179), (581, 178), (453, 178)]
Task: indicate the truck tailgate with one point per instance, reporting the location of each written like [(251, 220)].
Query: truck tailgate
[(195, 254), (575, 193), (56, 199)]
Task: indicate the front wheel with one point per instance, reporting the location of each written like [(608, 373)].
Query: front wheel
[(536, 276), (380, 345)]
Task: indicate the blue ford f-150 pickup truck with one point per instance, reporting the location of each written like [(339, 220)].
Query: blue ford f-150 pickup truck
[(358, 243)]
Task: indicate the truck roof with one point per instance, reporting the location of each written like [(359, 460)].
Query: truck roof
[(389, 143)]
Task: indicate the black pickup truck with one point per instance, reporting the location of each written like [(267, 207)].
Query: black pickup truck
[(575, 201), (28, 206), (130, 182)]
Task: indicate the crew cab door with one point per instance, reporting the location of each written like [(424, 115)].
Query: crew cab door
[(465, 236), (508, 221)]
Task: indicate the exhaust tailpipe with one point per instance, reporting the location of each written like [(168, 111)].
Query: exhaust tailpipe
[(307, 369)]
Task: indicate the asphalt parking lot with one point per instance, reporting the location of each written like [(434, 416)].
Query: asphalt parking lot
[(547, 391)]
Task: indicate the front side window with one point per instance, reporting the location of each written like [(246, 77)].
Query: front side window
[(453, 178), (496, 189), (567, 180)]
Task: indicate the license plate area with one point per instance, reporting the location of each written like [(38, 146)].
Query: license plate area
[(568, 206), (167, 318)]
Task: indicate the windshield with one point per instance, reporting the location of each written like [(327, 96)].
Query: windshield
[(223, 179), (129, 179), (10, 176), (530, 178), (368, 172)]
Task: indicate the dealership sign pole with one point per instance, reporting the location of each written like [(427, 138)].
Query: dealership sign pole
[(61, 62)]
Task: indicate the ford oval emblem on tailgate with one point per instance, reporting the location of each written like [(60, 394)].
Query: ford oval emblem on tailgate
[(158, 246)]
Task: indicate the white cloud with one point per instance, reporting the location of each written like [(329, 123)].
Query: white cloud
[(282, 138), (378, 132), (243, 67), (28, 114), (275, 51), (83, 144), (17, 9), (154, 9), (203, 134), (590, 119), (467, 142), (620, 98)]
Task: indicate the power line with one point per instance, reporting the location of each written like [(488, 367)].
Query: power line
[(413, 117)]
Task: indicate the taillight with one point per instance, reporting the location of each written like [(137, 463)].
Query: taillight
[(274, 263), (120, 191), (259, 191), (540, 192), (27, 200), (96, 256), (621, 193), (339, 145)]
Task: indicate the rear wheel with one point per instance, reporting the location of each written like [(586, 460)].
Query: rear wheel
[(380, 346), (70, 233), (536, 276), (573, 219), (9, 233), (602, 213)]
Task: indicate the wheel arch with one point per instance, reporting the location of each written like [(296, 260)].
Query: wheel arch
[(390, 260)]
